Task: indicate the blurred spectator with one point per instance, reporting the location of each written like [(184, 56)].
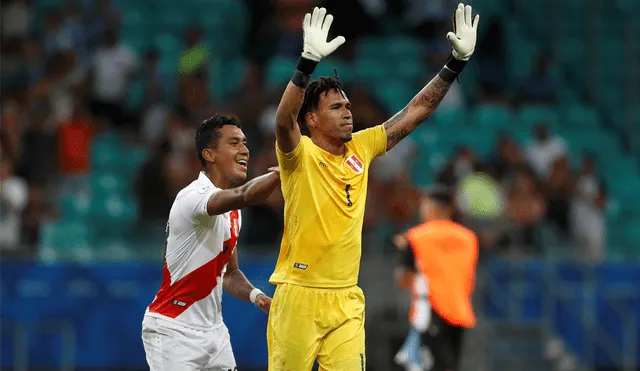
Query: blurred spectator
[(290, 14), (525, 209), (16, 18), (402, 200), (195, 55), (481, 203), (99, 17), (39, 161), (194, 95), (14, 195), (540, 87), (507, 159), (14, 75), (113, 66), (56, 89), (544, 149), (460, 165), (57, 39), (587, 212), (154, 115), (74, 141), (492, 61), (13, 121), (182, 165), (153, 191), (151, 76), (73, 26), (32, 62), (36, 211), (559, 193)]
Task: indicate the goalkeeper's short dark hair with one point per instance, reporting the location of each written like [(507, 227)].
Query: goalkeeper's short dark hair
[(312, 94), (208, 133)]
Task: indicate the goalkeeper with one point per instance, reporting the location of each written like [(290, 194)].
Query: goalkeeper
[(317, 311)]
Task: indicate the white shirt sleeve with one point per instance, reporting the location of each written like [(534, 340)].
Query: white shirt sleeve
[(192, 203), (15, 193)]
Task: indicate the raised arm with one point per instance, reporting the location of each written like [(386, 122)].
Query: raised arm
[(254, 191), (463, 40), (316, 29)]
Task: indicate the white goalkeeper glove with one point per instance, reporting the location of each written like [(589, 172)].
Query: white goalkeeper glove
[(316, 30), (463, 37)]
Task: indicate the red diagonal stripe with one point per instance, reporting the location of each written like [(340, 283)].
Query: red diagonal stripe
[(196, 285), (351, 165), (357, 161)]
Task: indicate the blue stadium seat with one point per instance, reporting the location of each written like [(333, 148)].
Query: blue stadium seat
[(492, 117)]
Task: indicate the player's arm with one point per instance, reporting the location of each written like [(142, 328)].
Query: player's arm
[(406, 270), (463, 40), (254, 191), (316, 29), (237, 284)]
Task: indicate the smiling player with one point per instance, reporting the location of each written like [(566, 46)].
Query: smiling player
[(182, 328)]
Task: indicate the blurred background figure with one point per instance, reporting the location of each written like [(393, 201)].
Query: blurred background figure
[(539, 142)]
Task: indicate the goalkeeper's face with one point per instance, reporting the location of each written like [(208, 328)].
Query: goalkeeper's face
[(333, 117)]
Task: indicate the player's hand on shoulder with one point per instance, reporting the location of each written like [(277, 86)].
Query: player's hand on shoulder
[(263, 302), (276, 170), (463, 37), (316, 30)]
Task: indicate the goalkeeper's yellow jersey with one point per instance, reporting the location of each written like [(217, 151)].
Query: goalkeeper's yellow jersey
[(324, 207)]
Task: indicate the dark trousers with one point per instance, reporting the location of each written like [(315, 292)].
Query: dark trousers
[(445, 343)]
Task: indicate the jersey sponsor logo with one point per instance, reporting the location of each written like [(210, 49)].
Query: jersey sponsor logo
[(179, 303), (300, 266), (323, 164), (355, 164)]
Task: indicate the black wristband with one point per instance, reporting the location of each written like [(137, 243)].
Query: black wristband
[(451, 69), (300, 79), (306, 66), (303, 72)]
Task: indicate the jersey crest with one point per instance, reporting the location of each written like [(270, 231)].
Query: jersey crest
[(355, 164)]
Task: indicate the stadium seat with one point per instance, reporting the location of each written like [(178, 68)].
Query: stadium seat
[(492, 117), (107, 182), (529, 116), (580, 117), (370, 71), (279, 71), (74, 207), (326, 69), (394, 96), (65, 240)]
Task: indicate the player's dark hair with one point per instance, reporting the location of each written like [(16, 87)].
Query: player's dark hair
[(208, 133), (312, 94), (442, 196)]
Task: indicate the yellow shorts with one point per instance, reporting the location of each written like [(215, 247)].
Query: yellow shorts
[(307, 323)]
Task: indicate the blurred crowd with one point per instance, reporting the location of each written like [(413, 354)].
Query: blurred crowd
[(67, 77)]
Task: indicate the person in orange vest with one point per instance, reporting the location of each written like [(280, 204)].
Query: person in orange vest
[(446, 254)]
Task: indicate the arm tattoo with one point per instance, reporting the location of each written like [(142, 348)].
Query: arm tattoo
[(421, 107), (396, 136), (432, 94), (397, 117)]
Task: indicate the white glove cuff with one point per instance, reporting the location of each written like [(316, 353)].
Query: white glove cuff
[(254, 294)]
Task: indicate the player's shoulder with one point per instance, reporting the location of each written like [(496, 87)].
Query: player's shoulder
[(197, 188), (373, 130), (464, 231)]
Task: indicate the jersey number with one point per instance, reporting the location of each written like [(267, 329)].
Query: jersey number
[(346, 189)]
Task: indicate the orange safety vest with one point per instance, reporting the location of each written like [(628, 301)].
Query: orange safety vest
[(447, 254)]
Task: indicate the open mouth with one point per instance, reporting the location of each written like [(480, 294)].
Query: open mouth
[(242, 163)]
